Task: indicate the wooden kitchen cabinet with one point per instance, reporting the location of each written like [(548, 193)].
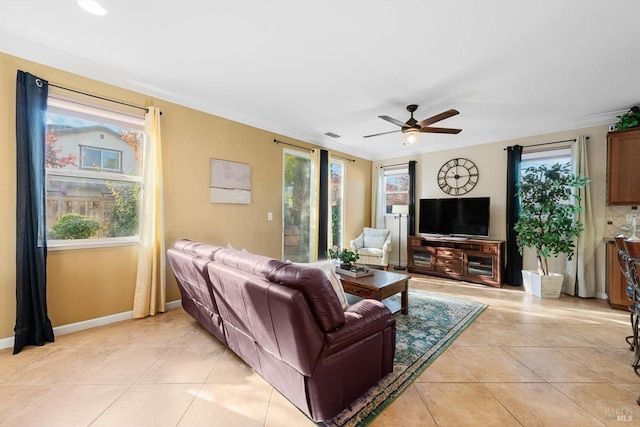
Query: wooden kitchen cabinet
[(616, 283), (623, 167)]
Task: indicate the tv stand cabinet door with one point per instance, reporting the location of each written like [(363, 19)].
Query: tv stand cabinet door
[(421, 257)]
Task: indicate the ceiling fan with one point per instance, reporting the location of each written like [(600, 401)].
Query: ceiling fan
[(412, 128)]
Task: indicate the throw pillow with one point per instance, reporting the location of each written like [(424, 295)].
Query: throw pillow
[(374, 241), (329, 268)]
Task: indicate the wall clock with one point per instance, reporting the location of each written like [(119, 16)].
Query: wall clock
[(458, 176)]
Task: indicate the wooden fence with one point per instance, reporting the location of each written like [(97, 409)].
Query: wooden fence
[(96, 208)]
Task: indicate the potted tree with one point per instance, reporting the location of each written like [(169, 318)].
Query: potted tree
[(547, 222)]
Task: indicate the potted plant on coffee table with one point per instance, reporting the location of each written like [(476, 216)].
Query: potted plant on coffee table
[(547, 222), (346, 257)]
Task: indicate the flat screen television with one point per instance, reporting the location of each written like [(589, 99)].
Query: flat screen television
[(464, 216)]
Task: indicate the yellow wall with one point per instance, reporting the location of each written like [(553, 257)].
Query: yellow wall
[(91, 283)]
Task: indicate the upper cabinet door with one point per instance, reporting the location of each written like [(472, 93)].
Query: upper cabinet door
[(623, 167)]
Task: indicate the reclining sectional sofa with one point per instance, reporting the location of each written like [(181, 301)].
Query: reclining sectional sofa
[(286, 322)]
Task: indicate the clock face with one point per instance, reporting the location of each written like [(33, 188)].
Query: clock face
[(458, 176)]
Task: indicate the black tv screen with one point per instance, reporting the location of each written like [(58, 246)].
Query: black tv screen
[(466, 216)]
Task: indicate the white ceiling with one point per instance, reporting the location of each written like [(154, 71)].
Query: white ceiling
[(300, 68)]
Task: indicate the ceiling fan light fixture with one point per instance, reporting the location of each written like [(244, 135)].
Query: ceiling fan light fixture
[(410, 136)]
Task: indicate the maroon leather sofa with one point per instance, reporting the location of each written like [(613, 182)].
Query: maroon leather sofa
[(285, 321)]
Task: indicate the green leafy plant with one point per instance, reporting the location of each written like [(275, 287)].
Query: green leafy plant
[(631, 119), (344, 255), (74, 226), (547, 221), (124, 212)]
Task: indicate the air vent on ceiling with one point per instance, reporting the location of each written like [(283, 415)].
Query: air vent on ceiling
[(332, 135)]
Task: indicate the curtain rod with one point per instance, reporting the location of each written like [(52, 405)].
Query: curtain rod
[(100, 97), (546, 143), (312, 150), (344, 158), (293, 145), (390, 166)]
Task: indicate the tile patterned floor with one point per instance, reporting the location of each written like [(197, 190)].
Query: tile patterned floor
[(523, 362)]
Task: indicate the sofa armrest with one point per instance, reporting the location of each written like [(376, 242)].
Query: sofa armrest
[(364, 318), (357, 243)]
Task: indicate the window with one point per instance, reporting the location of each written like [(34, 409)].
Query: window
[(100, 158), (545, 157), (336, 201), (298, 207), (396, 188), (93, 163)]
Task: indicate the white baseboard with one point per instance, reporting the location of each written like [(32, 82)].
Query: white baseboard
[(6, 343), (91, 323)]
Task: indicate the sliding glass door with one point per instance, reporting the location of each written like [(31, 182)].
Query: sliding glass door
[(298, 207), (336, 202)]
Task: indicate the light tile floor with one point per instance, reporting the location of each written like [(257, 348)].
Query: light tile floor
[(524, 362)]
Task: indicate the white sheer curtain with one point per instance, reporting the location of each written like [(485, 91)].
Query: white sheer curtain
[(580, 278), (378, 203), (150, 293)]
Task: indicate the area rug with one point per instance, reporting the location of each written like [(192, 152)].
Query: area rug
[(433, 323)]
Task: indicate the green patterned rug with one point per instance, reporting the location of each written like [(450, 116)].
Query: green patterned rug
[(433, 323)]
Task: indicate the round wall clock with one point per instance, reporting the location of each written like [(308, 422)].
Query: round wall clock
[(458, 176)]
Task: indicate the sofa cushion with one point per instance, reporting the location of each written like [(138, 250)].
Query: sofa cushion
[(200, 250), (317, 289), (371, 252), (329, 268), (313, 283)]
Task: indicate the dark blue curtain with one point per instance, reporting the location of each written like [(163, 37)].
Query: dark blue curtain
[(411, 219), (323, 213), (513, 275), (33, 326)]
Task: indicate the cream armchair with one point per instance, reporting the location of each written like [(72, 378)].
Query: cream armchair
[(374, 246)]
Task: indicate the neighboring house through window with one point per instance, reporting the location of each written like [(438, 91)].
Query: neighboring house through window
[(93, 163), (99, 158), (396, 188)]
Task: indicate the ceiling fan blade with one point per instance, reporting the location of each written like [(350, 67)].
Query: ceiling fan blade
[(383, 133), (438, 117), (439, 130), (392, 120)]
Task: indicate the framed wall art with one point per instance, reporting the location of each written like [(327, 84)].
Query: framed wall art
[(230, 182)]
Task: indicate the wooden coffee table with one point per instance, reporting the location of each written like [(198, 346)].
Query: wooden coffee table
[(380, 286)]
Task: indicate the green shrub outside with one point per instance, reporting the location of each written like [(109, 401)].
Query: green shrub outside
[(74, 226)]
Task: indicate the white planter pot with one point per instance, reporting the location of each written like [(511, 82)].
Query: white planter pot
[(542, 286)]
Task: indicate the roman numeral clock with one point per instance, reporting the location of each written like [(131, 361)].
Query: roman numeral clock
[(458, 176)]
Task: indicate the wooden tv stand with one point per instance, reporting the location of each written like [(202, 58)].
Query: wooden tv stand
[(473, 260)]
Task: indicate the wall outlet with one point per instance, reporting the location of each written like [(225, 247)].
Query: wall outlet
[(612, 128), (269, 216)]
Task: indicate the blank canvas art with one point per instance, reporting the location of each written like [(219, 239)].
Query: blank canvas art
[(230, 182)]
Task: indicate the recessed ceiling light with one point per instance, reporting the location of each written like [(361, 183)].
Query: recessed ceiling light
[(93, 7)]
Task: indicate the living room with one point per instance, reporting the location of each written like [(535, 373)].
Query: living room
[(190, 138)]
